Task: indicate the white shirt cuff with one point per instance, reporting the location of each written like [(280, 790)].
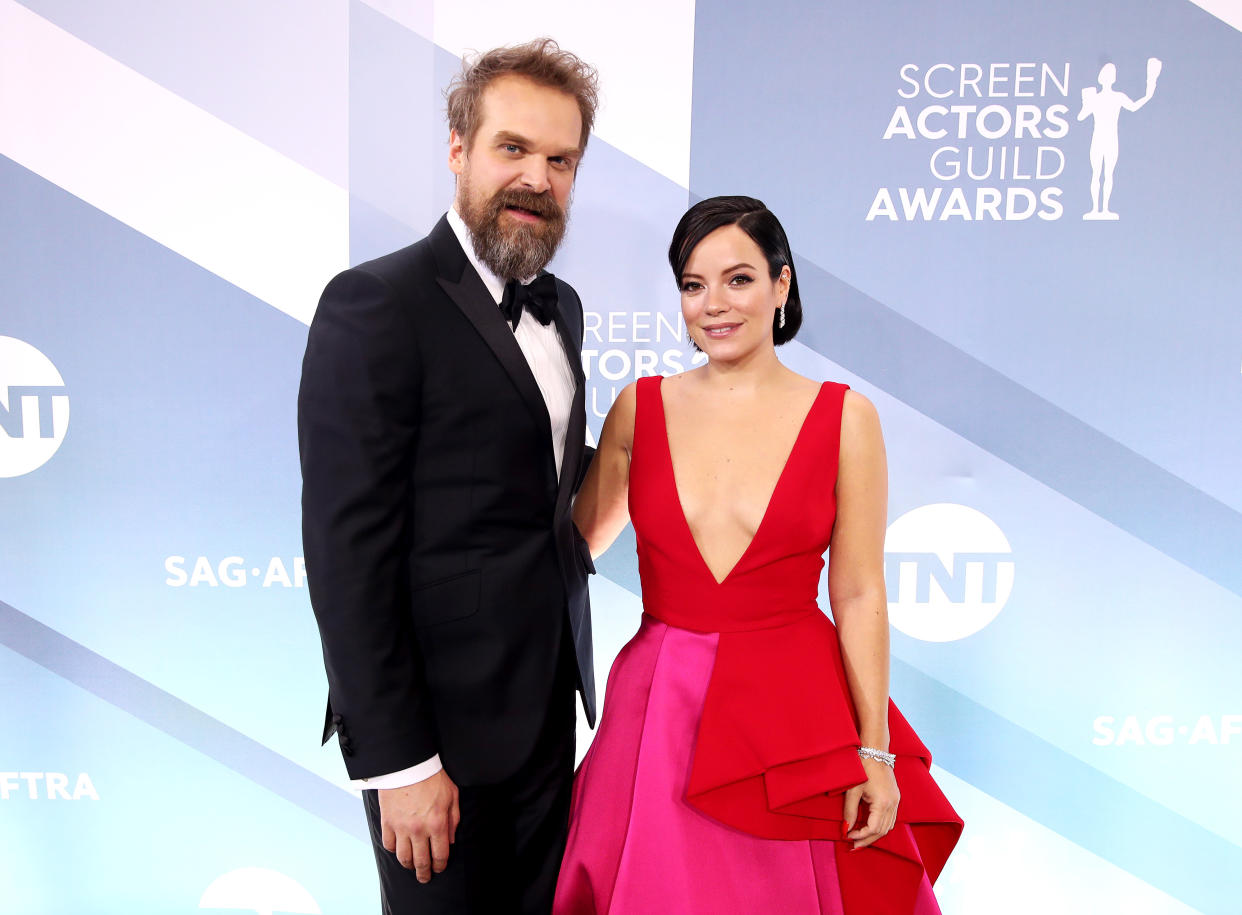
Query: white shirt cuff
[(402, 779)]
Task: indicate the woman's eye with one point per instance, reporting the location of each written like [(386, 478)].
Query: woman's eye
[(740, 280), (690, 286)]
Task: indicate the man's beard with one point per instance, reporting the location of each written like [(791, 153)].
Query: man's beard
[(513, 250)]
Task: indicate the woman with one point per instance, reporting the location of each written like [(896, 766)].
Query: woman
[(748, 759)]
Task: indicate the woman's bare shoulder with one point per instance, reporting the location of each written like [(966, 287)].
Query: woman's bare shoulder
[(619, 424), (860, 425), (858, 408), (626, 401)]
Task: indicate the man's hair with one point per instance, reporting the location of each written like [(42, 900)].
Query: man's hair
[(542, 61)]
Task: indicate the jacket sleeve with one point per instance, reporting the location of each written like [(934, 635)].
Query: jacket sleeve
[(357, 427)]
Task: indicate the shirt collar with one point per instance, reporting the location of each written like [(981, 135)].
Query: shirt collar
[(495, 285)]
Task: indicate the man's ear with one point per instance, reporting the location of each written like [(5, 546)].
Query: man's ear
[(457, 152)]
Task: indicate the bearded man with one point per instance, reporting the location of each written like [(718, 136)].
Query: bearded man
[(441, 424)]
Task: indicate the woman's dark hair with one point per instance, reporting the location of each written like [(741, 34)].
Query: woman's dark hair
[(761, 226)]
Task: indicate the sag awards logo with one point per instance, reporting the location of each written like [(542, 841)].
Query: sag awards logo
[(34, 408), (47, 786), (1165, 730), (948, 570), (999, 132), (234, 572), (258, 890), (622, 346)]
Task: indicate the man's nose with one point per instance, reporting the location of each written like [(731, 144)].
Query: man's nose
[(536, 174)]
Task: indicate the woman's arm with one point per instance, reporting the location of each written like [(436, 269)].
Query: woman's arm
[(859, 604), (601, 509), (856, 567)]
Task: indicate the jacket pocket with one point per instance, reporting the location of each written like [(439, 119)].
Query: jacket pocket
[(453, 598)]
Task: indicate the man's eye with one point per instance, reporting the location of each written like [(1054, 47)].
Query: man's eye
[(511, 148)]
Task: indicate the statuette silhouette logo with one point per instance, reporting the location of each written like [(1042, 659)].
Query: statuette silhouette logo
[(948, 570), (34, 408), (1104, 106)]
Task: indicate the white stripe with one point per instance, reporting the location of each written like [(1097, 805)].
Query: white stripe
[(415, 15), (644, 51), (990, 869), (172, 171), (1229, 11)]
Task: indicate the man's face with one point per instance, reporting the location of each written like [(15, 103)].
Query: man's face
[(515, 179)]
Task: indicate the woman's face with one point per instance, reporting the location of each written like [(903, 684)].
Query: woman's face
[(727, 298)]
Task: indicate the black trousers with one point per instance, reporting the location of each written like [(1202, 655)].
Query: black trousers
[(510, 840)]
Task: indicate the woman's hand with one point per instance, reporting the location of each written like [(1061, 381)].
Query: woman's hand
[(881, 794)]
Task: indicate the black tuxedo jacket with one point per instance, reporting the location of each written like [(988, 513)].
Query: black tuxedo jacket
[(442, 563)]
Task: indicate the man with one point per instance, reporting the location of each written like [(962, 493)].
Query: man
[(441, 423)]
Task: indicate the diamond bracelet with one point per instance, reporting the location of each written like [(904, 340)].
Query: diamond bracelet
[(889, 759)]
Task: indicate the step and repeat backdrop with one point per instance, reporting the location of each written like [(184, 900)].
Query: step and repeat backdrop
[(1017, 230)]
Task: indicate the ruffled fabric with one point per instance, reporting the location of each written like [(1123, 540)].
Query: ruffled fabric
[(776, 754)]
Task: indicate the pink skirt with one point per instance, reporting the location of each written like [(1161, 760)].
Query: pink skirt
[(636, 846)]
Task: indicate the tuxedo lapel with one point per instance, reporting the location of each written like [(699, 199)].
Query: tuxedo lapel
[(463, 285), (571, 341), (575, 444), (575, 433)]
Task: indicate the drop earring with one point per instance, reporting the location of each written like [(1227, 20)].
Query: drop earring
[(781, 322)]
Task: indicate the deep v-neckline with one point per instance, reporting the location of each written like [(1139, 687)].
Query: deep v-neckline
[(767, 509)]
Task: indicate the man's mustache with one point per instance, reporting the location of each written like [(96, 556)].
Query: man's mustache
[(540, 204)]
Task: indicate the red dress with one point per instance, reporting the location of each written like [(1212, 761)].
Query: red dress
[(728, 738)]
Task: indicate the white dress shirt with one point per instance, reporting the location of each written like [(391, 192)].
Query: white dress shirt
[(549, 363)]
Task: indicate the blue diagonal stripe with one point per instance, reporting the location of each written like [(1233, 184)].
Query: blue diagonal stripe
[(180, 720), (1070, 797), (1021, 428)]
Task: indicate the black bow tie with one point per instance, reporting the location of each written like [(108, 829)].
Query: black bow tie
[(537, 297)]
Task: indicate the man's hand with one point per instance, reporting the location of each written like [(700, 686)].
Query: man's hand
[(419, 822)]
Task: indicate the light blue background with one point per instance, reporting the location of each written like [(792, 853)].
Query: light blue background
[(1077, 382)]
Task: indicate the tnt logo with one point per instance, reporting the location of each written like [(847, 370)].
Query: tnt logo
[(258, 890), (34, 408), (948, 570)]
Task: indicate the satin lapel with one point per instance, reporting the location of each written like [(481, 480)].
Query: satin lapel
[(572, 344), (575, 445), (469, 294), (575, 432)]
